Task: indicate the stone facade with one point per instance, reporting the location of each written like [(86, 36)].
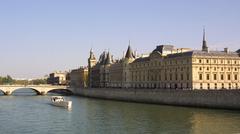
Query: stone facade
[(79, 78), (99, 71), (57, 78), (167, 67)]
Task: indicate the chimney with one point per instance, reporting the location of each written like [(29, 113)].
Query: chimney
[(226, 50)]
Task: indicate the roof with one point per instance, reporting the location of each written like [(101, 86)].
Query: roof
[(238, 51), (129, 53), (204, 53), (162, 48), (141, 59), (108, 59)]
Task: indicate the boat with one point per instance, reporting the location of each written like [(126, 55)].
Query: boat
[(61, 102)]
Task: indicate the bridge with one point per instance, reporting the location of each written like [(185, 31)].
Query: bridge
[(39, 89)]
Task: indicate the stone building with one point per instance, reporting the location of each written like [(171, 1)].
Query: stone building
[(57, 78), (164, 68), (79, 78), (99, 70), (119, 71), (167, 67)]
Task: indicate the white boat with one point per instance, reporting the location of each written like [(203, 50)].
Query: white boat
[(59, 101)]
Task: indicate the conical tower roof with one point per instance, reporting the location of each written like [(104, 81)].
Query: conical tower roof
[(108, 59), (129, 54)]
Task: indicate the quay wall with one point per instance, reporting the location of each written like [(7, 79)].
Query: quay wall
[(225, 99)]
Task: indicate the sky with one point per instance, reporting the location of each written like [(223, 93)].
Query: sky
[(41, 36)]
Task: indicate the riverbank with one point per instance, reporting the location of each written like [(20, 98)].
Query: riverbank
[(224, 99)]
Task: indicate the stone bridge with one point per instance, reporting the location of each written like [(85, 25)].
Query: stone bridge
[(39, 89)]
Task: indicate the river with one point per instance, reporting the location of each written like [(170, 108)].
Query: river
[(25, 113)]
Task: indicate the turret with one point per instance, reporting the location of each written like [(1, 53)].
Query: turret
[(91, 63), (92, 59), (108, 59), (129, 54)]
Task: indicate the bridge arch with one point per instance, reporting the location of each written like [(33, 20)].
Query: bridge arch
[(2, 91), (22, 88), (58, 90)]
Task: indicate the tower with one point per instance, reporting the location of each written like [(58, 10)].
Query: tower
[(129, 58), (204, 43), (91, 63)]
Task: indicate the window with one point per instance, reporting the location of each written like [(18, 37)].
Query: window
[(235, 76), (215, 76), (207, 68), (201, 86), (207, 61), (200, 76), (208, 86), (222, 77), (222, 85), (200, 61), (200, 68), (208, 77), (230, 86), (181, 76), (229, 76), (215, 85)]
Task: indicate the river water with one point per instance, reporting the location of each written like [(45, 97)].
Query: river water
[(25, 113)]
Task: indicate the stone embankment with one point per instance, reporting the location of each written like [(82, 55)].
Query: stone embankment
[(226, 99)]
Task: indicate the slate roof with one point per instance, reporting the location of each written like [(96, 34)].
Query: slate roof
[(238, 51), (141, 59), (162, 48), (204, 53), (129, 54)]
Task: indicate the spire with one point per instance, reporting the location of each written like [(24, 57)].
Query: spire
[(129, 53), (204, 34), (108, 59), (204, 43), (91, 55)]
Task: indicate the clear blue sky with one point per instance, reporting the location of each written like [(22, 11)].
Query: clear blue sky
[(40, 36)]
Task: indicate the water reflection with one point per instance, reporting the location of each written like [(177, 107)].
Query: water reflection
[(216, 122), (114, 117), (90, 116)]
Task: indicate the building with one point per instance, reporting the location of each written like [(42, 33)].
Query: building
[(167, 67), (99, 71), (79, 78), (57, 78)]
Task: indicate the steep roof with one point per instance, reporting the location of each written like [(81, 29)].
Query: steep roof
[(108, 59), (238, 51), (162, 48), (129, 54)]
